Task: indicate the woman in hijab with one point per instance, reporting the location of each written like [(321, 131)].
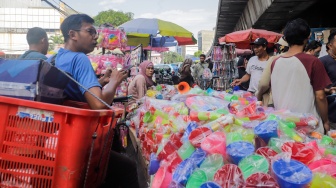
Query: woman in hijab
[(185, 72), (138, 87)]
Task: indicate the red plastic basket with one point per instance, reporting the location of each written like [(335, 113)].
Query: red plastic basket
[(46, 145)]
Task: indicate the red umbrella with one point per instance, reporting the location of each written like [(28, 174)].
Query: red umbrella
[(243, 38), (2, 53), (243, 51)]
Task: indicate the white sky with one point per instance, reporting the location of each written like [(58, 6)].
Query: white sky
[(193, 15)]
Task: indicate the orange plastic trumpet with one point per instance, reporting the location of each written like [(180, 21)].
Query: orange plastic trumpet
[(183, 87)]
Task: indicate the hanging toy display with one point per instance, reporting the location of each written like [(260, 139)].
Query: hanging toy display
[(224, 70), (111, 38)]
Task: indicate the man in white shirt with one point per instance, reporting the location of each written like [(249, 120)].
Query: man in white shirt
[(298, 80), (255, 66)]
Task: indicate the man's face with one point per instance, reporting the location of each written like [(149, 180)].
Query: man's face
[(86, 38), (332, 46), (259, 50), (202, 59)]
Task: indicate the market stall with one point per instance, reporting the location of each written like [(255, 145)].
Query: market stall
[(228, 139)]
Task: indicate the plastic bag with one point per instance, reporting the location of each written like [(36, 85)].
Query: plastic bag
[(236, 151), (205, 103), (301, 152), (229, 176), (220, 122), (291, 173), (183, 172), (323, 180), (211, 164), (253, 164), (197, 178), (261, 180), (215, 143)]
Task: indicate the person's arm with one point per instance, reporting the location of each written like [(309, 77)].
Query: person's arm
[(322, 107), (105, 79), (320, 80), (107, 95), (330, 91), (141, 87), (195, 71), (245, 78), (264, 83)]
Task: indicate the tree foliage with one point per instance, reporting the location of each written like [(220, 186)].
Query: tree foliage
[(55, 40), (198, 53), (172, 57), (116, 18)]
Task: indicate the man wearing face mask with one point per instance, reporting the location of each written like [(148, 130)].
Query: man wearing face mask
[(329, 62), (313, 48)]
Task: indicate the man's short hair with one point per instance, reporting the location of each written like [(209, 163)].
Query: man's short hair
[(202, 55), (35, 34), (296, 32), (74, 22), (312, 45), (331, 37)]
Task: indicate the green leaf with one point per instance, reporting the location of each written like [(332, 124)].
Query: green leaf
[(116, 18)]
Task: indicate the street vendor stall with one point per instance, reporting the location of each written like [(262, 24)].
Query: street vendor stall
[(227, 139)]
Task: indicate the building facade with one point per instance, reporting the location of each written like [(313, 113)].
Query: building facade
[(205, 40), (17, 16)]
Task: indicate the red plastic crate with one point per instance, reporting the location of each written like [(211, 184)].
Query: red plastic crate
[(46, 145)]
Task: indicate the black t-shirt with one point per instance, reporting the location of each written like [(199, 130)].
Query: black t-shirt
[(330, 66)]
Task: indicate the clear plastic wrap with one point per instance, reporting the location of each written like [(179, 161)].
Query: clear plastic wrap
[(197, 178), (173, 144), (252, 111), (266, 130), (198, 157), (276, 144), (253, 164), (186, 150), (183, 172), (287, 130), (260, 180), (215, 143), (189, 128), (162, 178), (301, 152), (220, 122), (304, 121), (210, 184), (205, 103), (323, 180), (197, 135), (326, 166), (229, 176), (211, 164), (291, 173), (207, 115), (267, 152), (236, 151), (172, 161)]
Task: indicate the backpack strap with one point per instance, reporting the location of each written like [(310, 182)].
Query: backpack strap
[(53, 60)]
